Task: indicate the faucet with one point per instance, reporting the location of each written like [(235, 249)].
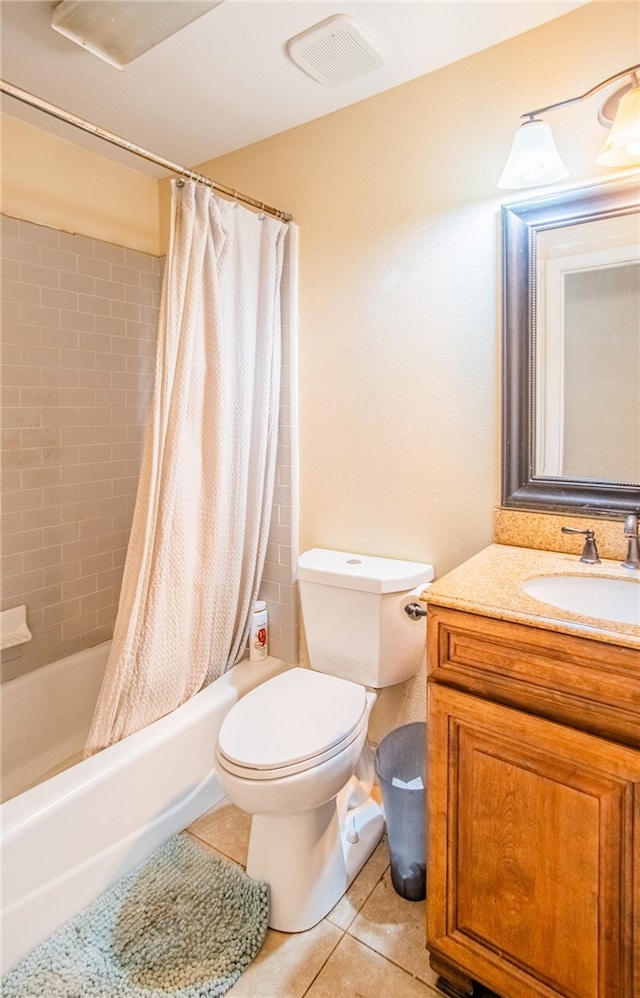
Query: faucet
[(589, 552), (633, 549)]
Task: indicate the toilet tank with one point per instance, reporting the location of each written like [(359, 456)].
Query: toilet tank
[(354, 619)]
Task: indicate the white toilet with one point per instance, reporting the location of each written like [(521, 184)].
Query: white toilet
[(293, 752)]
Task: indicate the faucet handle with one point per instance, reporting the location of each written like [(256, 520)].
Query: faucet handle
[(589, 552), (633, 547)]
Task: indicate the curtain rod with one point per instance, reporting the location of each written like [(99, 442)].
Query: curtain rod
[(116, 140)]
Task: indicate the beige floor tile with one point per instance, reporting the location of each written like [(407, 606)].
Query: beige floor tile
[(355, 971), (226, 828), (204, 845), (348, 906), (395, 928), (287, 963)]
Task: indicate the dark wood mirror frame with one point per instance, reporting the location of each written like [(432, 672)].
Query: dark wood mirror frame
[(521, 488)]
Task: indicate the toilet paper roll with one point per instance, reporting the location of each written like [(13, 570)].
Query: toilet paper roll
[(414, 597)]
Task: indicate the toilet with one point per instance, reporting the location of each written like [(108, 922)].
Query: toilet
[(293, 752)]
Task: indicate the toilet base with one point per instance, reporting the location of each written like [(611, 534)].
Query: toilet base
[(309, 859)]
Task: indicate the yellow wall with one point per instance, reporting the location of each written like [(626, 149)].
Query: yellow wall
[(398, 211), (53, 182)]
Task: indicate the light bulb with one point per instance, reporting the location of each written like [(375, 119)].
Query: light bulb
[(622, 148), (534, 159)]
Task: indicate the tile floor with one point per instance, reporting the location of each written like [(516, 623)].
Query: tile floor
[(371, 945)]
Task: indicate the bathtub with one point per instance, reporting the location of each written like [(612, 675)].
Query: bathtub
[(67, 839)]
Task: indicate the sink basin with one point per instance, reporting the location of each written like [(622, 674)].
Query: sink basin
[(590, 596)]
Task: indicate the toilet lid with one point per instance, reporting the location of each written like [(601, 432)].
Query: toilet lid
[(290, 719)]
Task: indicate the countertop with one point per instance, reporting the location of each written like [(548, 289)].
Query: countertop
[(491, 582)]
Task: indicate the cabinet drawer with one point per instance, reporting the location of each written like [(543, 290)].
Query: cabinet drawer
[(589, 684)]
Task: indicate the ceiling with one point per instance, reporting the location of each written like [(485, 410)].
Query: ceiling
[(226, 80)]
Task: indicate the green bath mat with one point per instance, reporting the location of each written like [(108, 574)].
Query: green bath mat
[(183, 925)]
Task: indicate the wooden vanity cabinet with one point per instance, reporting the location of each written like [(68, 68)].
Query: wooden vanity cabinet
[(533, 884)]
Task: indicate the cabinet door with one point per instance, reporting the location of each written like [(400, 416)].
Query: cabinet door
[(532, 870)]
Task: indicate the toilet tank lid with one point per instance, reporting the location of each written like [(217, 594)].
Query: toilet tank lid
[(360, 571)]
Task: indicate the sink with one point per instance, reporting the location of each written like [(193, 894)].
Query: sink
[(590, 596)]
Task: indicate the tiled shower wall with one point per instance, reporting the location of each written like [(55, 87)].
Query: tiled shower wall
[(78, 346), (279, 580)]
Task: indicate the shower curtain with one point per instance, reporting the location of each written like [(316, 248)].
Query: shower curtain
[(199, 534)]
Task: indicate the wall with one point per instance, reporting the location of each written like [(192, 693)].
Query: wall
[(78, 346), (80, 299), (80, 295), (279, 586), (399, 288), (56, 183)]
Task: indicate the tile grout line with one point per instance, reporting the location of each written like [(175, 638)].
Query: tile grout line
[(343, 931)]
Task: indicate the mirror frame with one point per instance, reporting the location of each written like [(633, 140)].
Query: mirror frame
[(521, 488)]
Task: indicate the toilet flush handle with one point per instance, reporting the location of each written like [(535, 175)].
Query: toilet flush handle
[(415, 611)]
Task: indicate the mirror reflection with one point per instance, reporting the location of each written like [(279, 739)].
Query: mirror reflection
[(587, 351), (571, 349)]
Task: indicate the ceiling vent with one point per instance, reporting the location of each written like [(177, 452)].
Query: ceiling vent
[(334, 51)]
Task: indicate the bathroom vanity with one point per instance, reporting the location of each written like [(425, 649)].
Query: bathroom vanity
[(533, 882)]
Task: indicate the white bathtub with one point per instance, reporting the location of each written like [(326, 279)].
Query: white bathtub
[(66, 840)]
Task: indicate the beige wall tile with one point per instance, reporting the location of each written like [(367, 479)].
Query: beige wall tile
[(39, 478), (41, 436), (81, 625), (78, 380), (20, 500), (14, 416), (52, 576), (11, 481), (106, 615), (62, 415), (18, 585), (62, 571), (42, 557), (60, 612), (11, 564), (48, 516), (78, 587)]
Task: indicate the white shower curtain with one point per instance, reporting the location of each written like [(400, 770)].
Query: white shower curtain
[(201, 520)]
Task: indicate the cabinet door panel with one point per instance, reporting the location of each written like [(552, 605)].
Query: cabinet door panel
[(530, 851)]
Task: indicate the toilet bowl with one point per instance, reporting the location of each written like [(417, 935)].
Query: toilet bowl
[(294, 754), (292, 747)]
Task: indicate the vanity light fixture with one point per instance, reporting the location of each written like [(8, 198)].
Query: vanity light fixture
[(534, 159)]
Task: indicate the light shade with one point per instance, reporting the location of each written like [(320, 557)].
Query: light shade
[(534, 159), (622, 148), (118, 31)]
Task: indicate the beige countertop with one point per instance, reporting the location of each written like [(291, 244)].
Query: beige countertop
[(491, 582)]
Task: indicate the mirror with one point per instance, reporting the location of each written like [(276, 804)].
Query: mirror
[(571, 351)]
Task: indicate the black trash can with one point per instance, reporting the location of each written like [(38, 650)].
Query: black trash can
[(400, 763)]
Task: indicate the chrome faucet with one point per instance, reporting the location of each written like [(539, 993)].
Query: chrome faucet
[(633, 549), (589, 552)]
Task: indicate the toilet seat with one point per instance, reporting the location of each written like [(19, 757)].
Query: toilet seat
[(290, 724)]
